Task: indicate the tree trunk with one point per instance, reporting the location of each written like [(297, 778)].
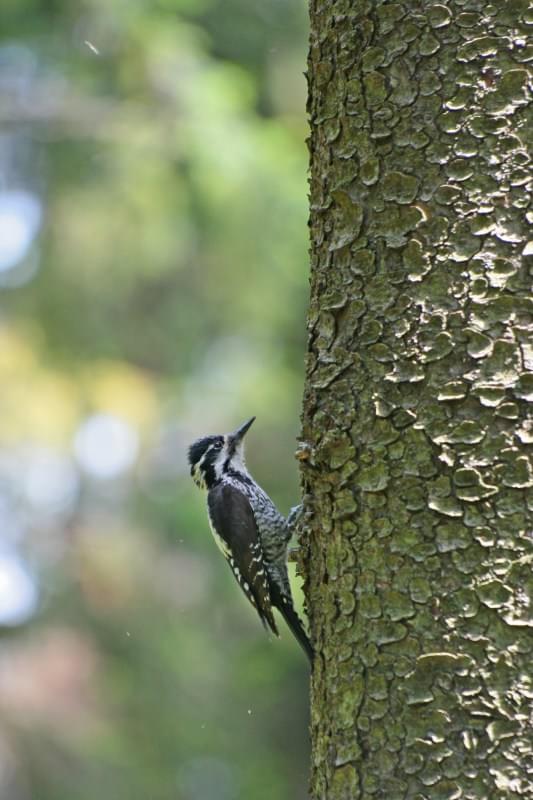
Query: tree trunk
[(415, 470)]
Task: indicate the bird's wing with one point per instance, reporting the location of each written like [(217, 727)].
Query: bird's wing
[(235, 531)]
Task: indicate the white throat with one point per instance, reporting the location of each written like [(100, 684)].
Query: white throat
[(237, 461)]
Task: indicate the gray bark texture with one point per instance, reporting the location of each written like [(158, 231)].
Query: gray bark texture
[(416, 552)]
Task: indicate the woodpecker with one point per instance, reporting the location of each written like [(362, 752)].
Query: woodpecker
[(248, 528)]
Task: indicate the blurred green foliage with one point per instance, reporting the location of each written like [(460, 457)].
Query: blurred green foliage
[(160, 296)]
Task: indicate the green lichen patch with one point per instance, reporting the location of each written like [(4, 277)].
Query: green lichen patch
[(508, 411), (466, 432), (453, 390), (447, 506), (420, 590), (502, 729), (363, 263), (518, 473), (479, 345), (452, 536), (489, 396), (375, 88), (369, 171), (337, 449), (348, 703), (511, 92), (439, 15), (389, 15), (473, 494), (430, 84), (416, 261), (371, 331), (396, 222), (399, 187), (470, 485), (397, 606), (428, 44), (440, 347), (384, 632), (493, 594), (348, 220), (446, 790), (373, 479), (523, 388), (345, 504), (345, 783)]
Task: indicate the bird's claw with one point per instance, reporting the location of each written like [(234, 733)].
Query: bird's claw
[(295, 515)]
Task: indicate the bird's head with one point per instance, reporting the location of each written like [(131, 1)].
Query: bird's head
[(213, 456)]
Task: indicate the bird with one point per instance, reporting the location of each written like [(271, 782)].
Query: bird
[(249, 530)]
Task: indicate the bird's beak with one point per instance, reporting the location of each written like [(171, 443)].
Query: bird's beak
[(237, 435)]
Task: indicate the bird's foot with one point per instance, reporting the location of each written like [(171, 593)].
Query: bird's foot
[(294, 516)]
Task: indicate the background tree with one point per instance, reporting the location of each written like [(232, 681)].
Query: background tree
[(153, 287), (415, 427)]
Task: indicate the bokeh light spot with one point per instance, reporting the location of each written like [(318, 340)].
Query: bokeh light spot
[(51, 483), (18, 592), (20, 218), (106, 446)]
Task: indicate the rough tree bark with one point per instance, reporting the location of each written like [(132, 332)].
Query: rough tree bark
[(415, 471)]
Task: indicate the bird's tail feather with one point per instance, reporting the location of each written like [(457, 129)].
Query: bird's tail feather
[(286, 608)]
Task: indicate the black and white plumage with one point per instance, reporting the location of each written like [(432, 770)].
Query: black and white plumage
[(248, 528)]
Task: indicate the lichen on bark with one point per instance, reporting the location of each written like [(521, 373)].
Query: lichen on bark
[(416, 471)]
